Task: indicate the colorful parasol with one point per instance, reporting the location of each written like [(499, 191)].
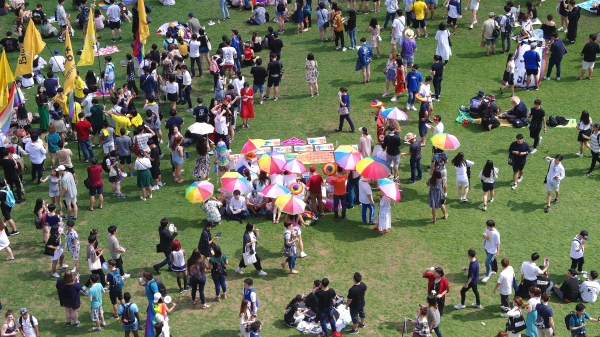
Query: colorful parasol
[(253, 145), (289, 204), (201, 128), (395, 113), (329, 169), (347, 157), (389, 189), (275, 190), (421, 97), (272, 162), (376, 104), (232, 181), (307, 215), (296, 188), (445, 141), (373, 168), (199, 191), (295, 166)]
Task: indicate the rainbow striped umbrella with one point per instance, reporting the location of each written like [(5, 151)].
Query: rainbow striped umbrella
[(199, 191), (289, 204), (232, 181), (445, 141), (295, 166), (389, 189), (395, 113), (373, 168), (253, 145), (272, 162), (275, 190), (347, 157)]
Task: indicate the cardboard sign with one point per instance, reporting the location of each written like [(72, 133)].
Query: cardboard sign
[(303, 148), (323, 147), (318, 157), (273, 142), (282, 149), (317, 140)]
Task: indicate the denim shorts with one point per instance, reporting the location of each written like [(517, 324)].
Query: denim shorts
[(257, 87), (131, 327)]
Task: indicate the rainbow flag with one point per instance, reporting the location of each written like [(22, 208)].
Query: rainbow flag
[(71, 104), (7, 112)]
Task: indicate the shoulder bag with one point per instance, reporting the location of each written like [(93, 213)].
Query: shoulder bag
[(516, 324), (343, 111), (94, 265)]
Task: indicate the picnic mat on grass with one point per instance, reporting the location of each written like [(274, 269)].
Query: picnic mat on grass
[(107, 50), (572, 123), (588, 5), (536, 21), (503, 122)]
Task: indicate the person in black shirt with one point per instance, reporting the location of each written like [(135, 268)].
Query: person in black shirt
[(391, 145), (269, 38), (569, 290), (275, 71), (10, 173), (356, 302), (166, 239), (10, 44), (415, 157), (276, 46), (588, 52), (155, 160), (260, 75), (201, 112), (537, 117), (326, 296), (437, 71), (311, 300), (37, 15), (293, 312), (544, 283), (518, 151), (557, 52)]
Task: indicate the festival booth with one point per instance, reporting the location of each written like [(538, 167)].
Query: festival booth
[(524, 46)]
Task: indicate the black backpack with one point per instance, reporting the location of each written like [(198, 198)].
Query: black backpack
[(128, 317), (552, 121), (509, 24), (104, 165), (568, 318), (161, 287), (280, 7), (220, 269), (518, 123)]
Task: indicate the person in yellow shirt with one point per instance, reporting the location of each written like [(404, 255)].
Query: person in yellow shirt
[(79, 86), (419, 7), (76, 113), (120, 121), (183, 48), (61, 99), (338, 28)]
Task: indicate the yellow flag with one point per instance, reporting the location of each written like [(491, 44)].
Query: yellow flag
[(5, 78), (144, 30), (70, 69), (87, 56), (32, 45)]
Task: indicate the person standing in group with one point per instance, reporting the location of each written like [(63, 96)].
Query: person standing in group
[(508, 78), (356, 302), (558, 50), (365, 196), (68, 192), (573, 22), (473, 5), (391, 7), (517, 155), (472, 281), (537, 117), (462, 177), (556, 173), (325, 298), (314, 184), (275, 72), (337, 25), (488, 177), (507, 23), (116, 250), (594, 147), (487, 30), (585, 130), (513, 312), (398, 28), (179, 266), (414, 151), (419, 8), (365, 142), (68, 289), (217, 264), (391, 146), (289, 247), (433, 315), (491, 244), (27, 324), (95, 297), (339, 192), (350, 27), (409, 48), (166, 241), (384, 216), (578, 249), (37, 156), (413, 80), (505, 283), (365, 56), (437, 70), (82, 130), (437, 199), (129, 316), (114, 20), (437, 286), (196, 268), (115, 287), (390, 72), (532, 61), (589, 52), (529, 273), (312, 74), (577, 321), (546, 315), (96, 185)]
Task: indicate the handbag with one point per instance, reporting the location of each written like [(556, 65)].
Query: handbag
[(449, 41), (482, 43), (88, 182), (515, 285), (249, 256), (94, 265), (343, 110), (358, 66), (379, 38), (511, 159), (158, 249), (546, 177), (208, 45), (516, 324), (288, 250)]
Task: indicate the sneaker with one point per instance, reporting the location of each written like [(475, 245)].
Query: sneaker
[(97, 328), (155, 187), (103, 323), (56, 275), (161, 184), (352, 332), (485, 209), (540, 142), (76, 325), (471, 27), (275, 98), (579, 154), (426, 35), (491, 200), (266, 98), (181, 290), (555, 201), (435, 99), (74, 270), (385, 94), (127, 276), (459, 306), (142, 198), (547, 78), (360, 325), (13, 233), (113, 40), (478, 306), (120, 38), (262, 273), (394, 99), (239, 270), (533, 151), (64, 266), (520, 179), (338, 48), (536, 87), (492, 272), (514, 186), (407, 106), (303, 254), (558, 78), (547, 209), (559, 29), (189, 110), (344, 49), (465, 200), (113, 316), (485, 279), (412, 107)]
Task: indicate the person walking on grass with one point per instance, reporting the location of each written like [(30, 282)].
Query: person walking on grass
[(462, 177), (585, 130), (491, 244), (488, 177), (594, 147), (517, 153), (95, 297), (437, 199), (472, 281), (505, 283), (344, 110), (129, 316), (589, 52), (166, 241), (356, 302), (555, 174), (487, 30), (537, 115)]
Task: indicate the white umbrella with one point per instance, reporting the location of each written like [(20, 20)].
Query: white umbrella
[(201, 128)]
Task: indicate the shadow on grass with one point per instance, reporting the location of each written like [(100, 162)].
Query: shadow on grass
[(473, 314), (391, 326), (347, 231), (526, 206), (222, 333)]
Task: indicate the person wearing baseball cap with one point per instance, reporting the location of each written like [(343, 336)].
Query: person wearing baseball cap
[(577, 250), (415, 157), (193, 24), (27, 324), (314, 184)]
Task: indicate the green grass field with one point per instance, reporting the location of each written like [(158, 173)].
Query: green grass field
[(391, 265)]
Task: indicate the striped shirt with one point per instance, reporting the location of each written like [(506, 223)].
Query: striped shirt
[(595, 142)]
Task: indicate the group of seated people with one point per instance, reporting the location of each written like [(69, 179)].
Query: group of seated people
[(572, 291), (485, 108)]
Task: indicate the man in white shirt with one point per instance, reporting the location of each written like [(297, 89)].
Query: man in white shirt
[(229, 55), (237, 210), (27, 324), (221, 129), (529, 273), (86, 104), (57, 62), (391, 7), (256, 202), (577, 250), (63, 20), (439, 126), (491, 243), (589, 289), (114, 20), (365, 196), (556, 173), (398, 27), (505, 283)]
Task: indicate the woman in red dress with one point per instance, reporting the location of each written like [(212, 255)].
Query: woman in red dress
[(247, 104)]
